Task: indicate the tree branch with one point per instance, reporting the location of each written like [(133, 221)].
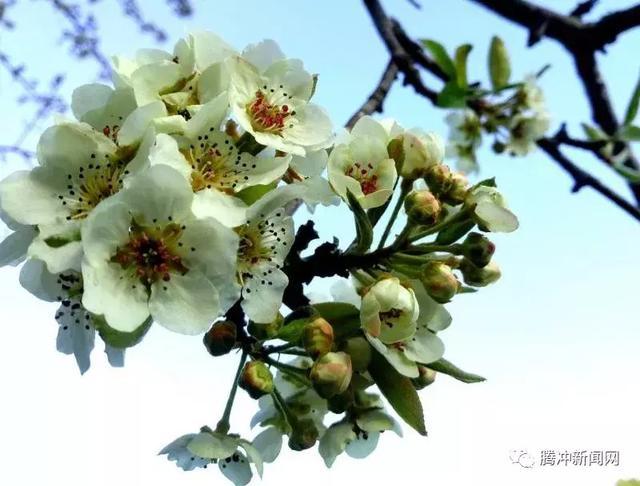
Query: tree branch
[(609, 27), (376, 98)]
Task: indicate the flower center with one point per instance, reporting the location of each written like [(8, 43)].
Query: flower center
[(90, 185), (181, 95), (268, 117), (363, 173), (390, 317), (215, 163), (151, 254)]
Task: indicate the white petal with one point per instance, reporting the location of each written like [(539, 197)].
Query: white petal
[(210, 115), (115, 356), (208, 48), (496, 217), (211, 203), (186, 304), (269, 443), (367, 126), (46, 286), (212, 445), (335, 440), (290, 73), (165, 151), (122, 301), (213, 81), (425, 347), (105, 230), (313, 126), (150, 80), (236, 468), (253, 454), (432, 314), (395, 357), (76, 334), (185, 459), (58, 259), (159, 193), (13, 248), (136, 124), (363, 445), (263, 54), (89, 97), (263, 292), (312, 164)]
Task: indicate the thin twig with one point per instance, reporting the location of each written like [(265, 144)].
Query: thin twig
[(376, 98)]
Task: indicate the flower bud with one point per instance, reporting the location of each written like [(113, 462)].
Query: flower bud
[(317, 337), (425, 378), (359, 349), (439, 281), (421, 151), (266, 331), (438, 178), (221, 338), (331, 374), (422, 207), (478, 249), (341, 403), (458, 190), (304, 435), (256, 379), (479, 277)]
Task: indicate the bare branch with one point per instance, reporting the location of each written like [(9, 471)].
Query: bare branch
[(609, 27), (374, 103)]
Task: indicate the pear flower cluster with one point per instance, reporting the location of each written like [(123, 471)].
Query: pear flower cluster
[(516, 119), (168, 200)]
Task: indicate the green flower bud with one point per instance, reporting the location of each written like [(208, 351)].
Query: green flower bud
[(359, 349), (317, 337), (438, 178), (457, 193), (479, 277), (263, 332), (331, 374), (304, 435), (256, 379), (422, 207), (221, 338), (427, 377), (478, 249), (439, 281)]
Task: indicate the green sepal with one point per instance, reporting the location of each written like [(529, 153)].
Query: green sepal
[(119, 339), (452, 96), (364, 229), (448, 368), (253, 193), (399, 392), (454, 232)]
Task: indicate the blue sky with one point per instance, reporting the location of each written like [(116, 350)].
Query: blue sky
[(557, 336)]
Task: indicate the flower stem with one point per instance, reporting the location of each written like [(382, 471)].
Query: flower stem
[(404, 190), (281, 405), (223, 425), (297, 374), (459, 216)]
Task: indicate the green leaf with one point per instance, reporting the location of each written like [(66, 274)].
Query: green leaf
[(399, 391), (490, 182), (253, 193), (119, 339), (634, 102), (629, 133), (448, 368), (292, 332), (461, 55), (454, 232), (57, 241), (499, 65), (440, 57), (452, 96), (364, 229), (594, 133), (343, 317)]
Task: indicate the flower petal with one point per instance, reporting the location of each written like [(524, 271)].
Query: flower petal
[(236, 468), (76, 334), (13, 248), (269, 443), (211, 203), (262, 293)]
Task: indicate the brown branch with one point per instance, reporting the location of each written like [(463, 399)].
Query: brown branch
[(376, 99), (609, 27), (398, 41)]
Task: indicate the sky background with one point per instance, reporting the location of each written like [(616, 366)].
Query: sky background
[(557, 337)]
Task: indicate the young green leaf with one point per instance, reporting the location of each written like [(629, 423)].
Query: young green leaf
[(440, 57), (452, 96), (461, 55), (499, 65), (399, 391), (448, 368), (629, 133), (345, 318), (634, 102), (594, 133), (253, 193), (454, 232)]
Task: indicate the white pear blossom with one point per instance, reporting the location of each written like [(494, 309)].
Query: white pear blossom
[(362, 165), (265, 242), (356, 435), (530, 96), (524, 131), (194, 74), (403, 330), (210, 160), (490, 210), (272, 101), (198, 450), (145, 253), (465, 136), (421, 150), (76, 326)]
